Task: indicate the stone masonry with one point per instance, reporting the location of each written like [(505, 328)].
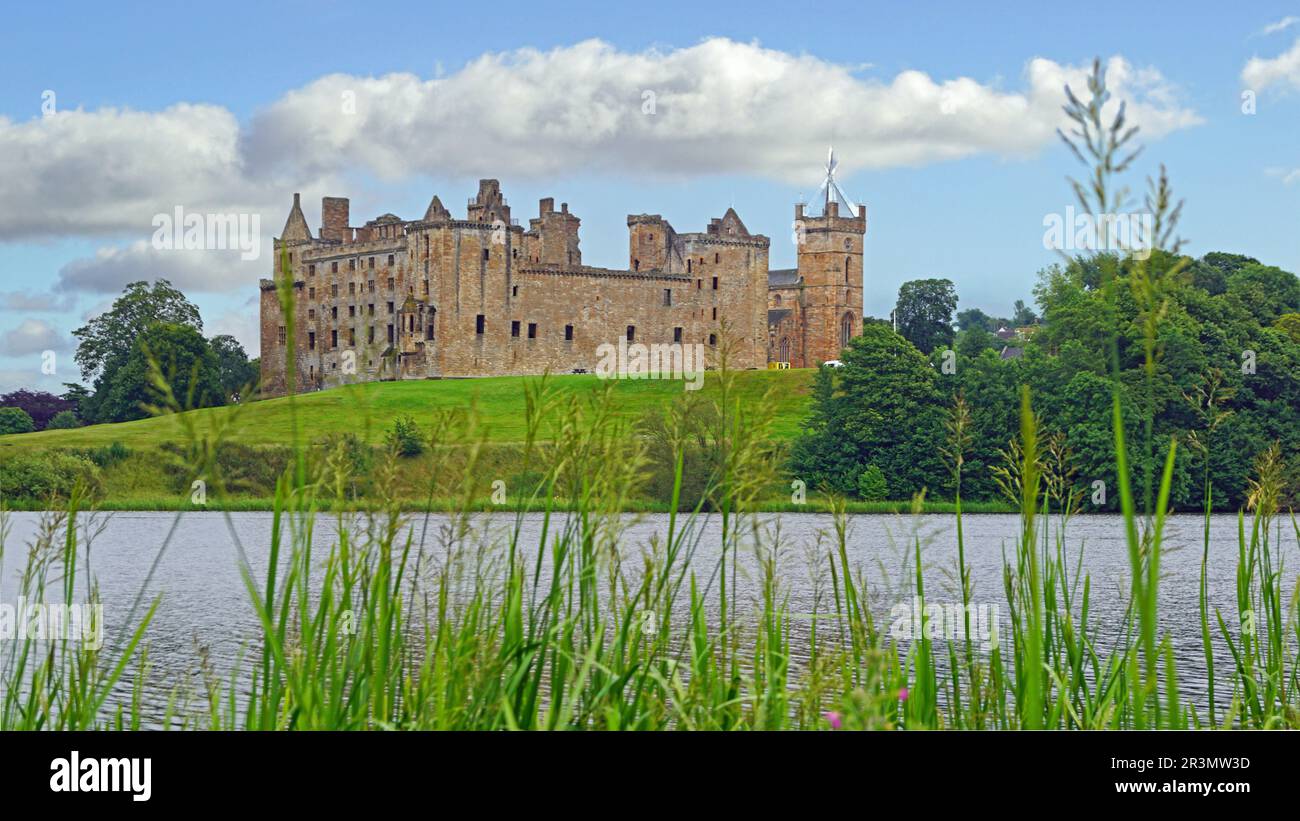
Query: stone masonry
[(445, 297)]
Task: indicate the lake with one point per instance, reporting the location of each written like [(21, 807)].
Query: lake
[(205, 606)]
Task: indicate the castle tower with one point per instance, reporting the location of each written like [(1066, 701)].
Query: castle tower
[(830, 266)]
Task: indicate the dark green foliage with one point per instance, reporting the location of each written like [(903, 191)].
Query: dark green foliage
[(404, 437), (185, 360), (15, 420), (924, 312), (39, 405), (64, 420)]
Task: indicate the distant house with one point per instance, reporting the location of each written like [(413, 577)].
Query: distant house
[(1004, 333), (1009, 352)]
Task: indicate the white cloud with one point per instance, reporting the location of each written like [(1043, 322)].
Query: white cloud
[(35, 301), (1281, 25), (1260, 73), (112, 267), (719, 107), (33, 336), (1287, 175)]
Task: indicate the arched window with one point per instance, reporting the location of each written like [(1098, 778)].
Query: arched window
[(777, 300), (785, 349), (846, 330)]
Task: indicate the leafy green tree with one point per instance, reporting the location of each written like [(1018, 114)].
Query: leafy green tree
[(1023, 315), (924, 313), (238, 374), (185, 361), (404, 437), (1289, 324), (15, 420), (64, 420), (108, 340), (39, 405), (872, 486)]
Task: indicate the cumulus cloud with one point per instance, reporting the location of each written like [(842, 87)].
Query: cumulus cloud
[(716, 107), (1260, 73), (201, 271), (719, 106), (33, 336), (111, 170)]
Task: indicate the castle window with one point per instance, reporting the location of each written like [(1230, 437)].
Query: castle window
[(352, 265), (715, 283), (334, 339), (372, 263), (280, 335), (311, 293), (568, 333), (352, 310), (785, 350), (532, 330), (370, 335), (352, 337), (334, 290), (713, 340), (514, 253), (514, 328), (352, 288), (334, 312), (514, 290), (390, 333), (372, 286), (311, 313), (428, 333), (777, 300), (631, 333), (391, 283), (848, 244), (334, 267), (846, 330), (372, 309), (311, 270), (699, 284), (717, 258), (677, 334), (668, 297), (715, 311), (636, 265), (846, 270), (485, 255), (390, 307), (390, 260), (688, 266), (479, 322)]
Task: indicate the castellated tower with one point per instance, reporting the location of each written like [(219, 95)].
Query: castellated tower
[(830, 267)]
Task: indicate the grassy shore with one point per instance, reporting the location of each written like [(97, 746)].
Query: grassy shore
[(368, 409)]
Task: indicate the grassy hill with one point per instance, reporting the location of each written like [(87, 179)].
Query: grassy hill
[(368, 409)]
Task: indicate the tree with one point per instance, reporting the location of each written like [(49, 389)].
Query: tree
[(39, 405), (108, 340), (238, 374), (1289, 324), (872, 486), (924, 313), (186, 362), (1023, 315), (15, 420), (64, 420)]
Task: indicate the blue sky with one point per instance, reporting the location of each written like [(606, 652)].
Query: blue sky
[(942, 115)]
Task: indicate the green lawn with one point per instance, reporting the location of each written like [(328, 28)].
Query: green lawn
[(500, 405)]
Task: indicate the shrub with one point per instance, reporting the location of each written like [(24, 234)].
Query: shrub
[(872, 486), (63, 420), (15, 420), (404, 437), (45, 476)]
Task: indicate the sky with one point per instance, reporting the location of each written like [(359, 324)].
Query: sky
[(943, 117)]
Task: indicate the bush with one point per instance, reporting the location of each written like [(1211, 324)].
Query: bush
[(872, 486), (105, 456), (15, 420), (45, 476), (404, 437), (64, 420)]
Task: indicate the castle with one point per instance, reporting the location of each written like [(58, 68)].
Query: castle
[(479, 296)]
